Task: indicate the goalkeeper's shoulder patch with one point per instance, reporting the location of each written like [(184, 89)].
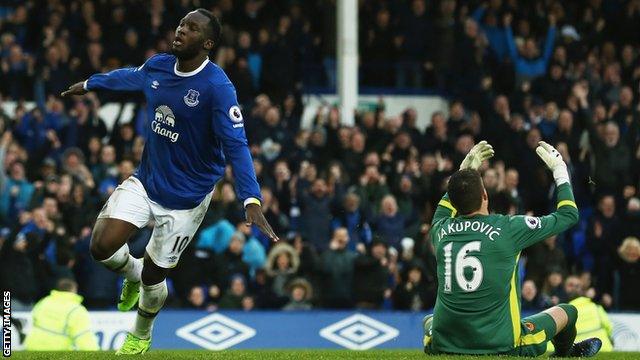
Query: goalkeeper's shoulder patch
[(533, 222)]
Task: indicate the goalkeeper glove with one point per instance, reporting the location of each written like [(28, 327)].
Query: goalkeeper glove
[(479, 153), (554, 162)]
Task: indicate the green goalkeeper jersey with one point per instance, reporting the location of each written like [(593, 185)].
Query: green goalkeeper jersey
[(477, 310)]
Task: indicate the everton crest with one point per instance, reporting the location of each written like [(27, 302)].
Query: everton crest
[(191, 99)]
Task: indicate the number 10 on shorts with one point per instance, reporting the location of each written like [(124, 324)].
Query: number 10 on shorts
[(180, 244)]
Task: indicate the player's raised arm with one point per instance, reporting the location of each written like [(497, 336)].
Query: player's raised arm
[(125, 79), (479, 153), (527, 230), (228, 124)]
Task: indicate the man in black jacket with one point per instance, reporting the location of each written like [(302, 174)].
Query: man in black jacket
[(371, 276)]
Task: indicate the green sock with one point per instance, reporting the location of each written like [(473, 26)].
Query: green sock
[(564, 339)]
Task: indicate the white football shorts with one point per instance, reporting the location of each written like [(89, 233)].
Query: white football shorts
[(173, 229)]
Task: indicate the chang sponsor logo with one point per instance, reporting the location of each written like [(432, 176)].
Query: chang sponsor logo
[(164, 122)]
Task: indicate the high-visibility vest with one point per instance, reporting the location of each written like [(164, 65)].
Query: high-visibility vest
[(60, 322), (593, 321)]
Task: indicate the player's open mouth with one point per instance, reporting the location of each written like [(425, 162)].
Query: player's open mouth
[(177, 42)]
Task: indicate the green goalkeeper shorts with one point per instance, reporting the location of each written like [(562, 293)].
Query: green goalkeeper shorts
[(536, 331)]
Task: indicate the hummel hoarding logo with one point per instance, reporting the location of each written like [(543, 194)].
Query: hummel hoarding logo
[(216, 332), (359, 332)]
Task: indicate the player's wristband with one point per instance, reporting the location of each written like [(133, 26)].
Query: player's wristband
[(252, 201), (561, 175), (84, 85)]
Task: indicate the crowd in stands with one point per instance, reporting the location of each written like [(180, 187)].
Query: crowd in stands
[(352, 204)]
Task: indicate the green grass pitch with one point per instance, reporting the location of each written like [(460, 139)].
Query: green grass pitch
[(277, 354)]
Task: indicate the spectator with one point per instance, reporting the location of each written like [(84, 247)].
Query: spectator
[(272, 212), (55, 72), (105, 172), (19, 256), (316, 214), (353, 218), (233, 298), (62, 322), (301, 152), (568, 133), (552, 290), (230, 262), (196, 298), (548, 122), (592, 321), (372, 188), (16, 189), (84, 124), (458, 118), (554, 87), (414, 292), (79, 211), (73, 163), (603, 238), (371, 277), (337, 268), (390, 224), (414, 36), (253, 253), (300, 292), (527, 62), (496, 35), (628, 266), (468, 57), (19, 67), (611, 156), (530, 298), (309, 260), (511, 182), (33, 131), (380, 49), (436, 136), (216, 237), (282, 265), (631, 218), (545, 255)]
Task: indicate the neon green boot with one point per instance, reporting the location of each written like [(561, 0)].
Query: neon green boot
[(133, 345), (129, 295)]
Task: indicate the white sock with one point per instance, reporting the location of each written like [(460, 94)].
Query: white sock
[(151, 301), (134, 272), (123, 263)]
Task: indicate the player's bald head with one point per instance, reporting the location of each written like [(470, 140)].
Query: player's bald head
[(466, 191)]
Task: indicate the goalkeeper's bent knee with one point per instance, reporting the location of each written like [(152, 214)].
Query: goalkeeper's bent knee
[(572, 314)]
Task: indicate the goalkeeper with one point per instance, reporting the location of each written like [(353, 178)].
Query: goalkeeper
[(477, 310)]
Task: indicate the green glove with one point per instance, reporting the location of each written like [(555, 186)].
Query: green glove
[(479, 153)]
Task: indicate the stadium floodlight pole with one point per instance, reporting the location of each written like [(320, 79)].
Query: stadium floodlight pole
[(347, 55)]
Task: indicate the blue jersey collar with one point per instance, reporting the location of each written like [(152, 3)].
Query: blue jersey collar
[(190, 73)]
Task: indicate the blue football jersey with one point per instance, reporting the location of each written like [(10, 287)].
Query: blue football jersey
[(195, 126)]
